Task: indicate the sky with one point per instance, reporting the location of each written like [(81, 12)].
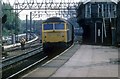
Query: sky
[(23, 14)]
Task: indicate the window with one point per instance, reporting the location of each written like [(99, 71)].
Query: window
[(48, 26), (59, 26), (94, 10), (105, 10), (88, 11), (99, 10)]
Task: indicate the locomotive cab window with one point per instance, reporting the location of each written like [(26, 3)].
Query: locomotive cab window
[(48, 26), (59, 26)]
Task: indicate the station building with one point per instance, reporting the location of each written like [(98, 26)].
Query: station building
[(99, 20)]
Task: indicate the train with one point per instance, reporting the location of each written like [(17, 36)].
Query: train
[(57, 32)]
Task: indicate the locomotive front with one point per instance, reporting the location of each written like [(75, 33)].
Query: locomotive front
[(53, 32)]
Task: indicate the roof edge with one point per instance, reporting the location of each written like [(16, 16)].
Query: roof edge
[(87, 1)]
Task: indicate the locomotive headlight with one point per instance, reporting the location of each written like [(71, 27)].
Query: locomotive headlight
[(45, 35), (62, 34)]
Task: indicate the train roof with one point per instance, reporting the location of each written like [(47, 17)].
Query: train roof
[(114, 1), (55, 19)]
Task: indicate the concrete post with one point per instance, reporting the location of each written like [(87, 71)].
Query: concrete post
[(113, 35), (13, 39), (26, 27)]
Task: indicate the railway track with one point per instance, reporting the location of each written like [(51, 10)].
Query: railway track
[(14, 51), (26, 46), (26, 62), (17, 63), (17, 59)]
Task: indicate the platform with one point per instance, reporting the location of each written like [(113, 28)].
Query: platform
[(81, 61), (18, 44)]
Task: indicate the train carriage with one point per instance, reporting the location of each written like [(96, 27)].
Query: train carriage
[(56, 32)]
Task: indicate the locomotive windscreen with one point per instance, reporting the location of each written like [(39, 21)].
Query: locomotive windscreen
[(59, 26), (55, 26), (48, 26)]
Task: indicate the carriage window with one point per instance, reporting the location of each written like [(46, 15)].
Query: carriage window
[(59, 26), (48, 26)]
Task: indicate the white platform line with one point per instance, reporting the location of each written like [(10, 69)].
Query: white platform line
[(57, 55)]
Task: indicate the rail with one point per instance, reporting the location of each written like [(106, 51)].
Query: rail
[(28, 67), (23, 56)]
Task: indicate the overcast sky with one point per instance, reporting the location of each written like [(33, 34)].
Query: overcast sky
[(24, 13)]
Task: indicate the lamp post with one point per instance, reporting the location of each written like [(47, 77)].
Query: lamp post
[(30, 24)]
